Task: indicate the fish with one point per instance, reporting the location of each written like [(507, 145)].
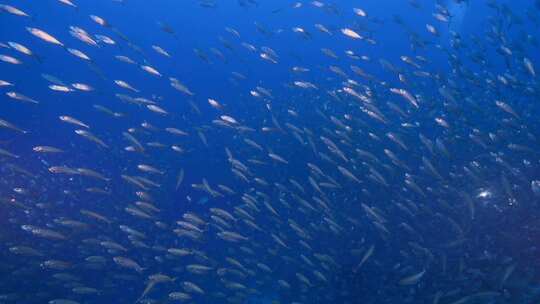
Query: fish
[(20, 48), (20, 97), (269, 157), (432, 29), (175, 83), (153, 280), (350, 33), (412, 279), (150, 70), (99, 20), (68, 2), (44, 233), (506, 108), (410, 98), (82, 35), (60, 88), (13, 10), (62, 301), (157, 109), (74, 121), (149, 169), (6, 153), (4, 83), (125, 85), (128, 263), (231, 236), (360, 12), (179, 179), (41, 34), (91, 137), (366, 256), (10, 59), (529, 66), (160, 50), (8, 125)]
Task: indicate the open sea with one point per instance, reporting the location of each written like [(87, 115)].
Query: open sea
[(269, 152)]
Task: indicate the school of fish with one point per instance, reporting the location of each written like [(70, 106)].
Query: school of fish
[(287, 172)]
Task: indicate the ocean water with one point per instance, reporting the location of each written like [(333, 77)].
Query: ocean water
[(257, 151)]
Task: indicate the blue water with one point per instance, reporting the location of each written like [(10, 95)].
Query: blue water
[(473, 229)]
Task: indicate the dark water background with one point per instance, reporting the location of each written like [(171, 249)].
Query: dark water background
[(505, 231)]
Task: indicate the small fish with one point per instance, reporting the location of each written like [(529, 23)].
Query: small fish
[(44, 36), (4, 83), (67, 2), (366, 256), (82, 87), (91, 173), (228, 119), (156, 109), (179, 179), (20, 48), (47, 149), (60, 88), (91, 137), (529, 66), (21, 97), (105, 39), (268, 57), (53, 79), (83, 290), (9, 59), (6, 153), (350, 33), (348, 174), (125, 59), (322, 28), (13, 10), (74, 121), (277, 158), (79, 54), (128, 263), (410, 98), (215, 104), (82, 35), (151, 70), (506, 108), (125, 85), (63, 301), (99, 20), (149, 169), (176, 131), (413, 279), (161, 51), (180, 86), (8, 125), (231, 236)]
